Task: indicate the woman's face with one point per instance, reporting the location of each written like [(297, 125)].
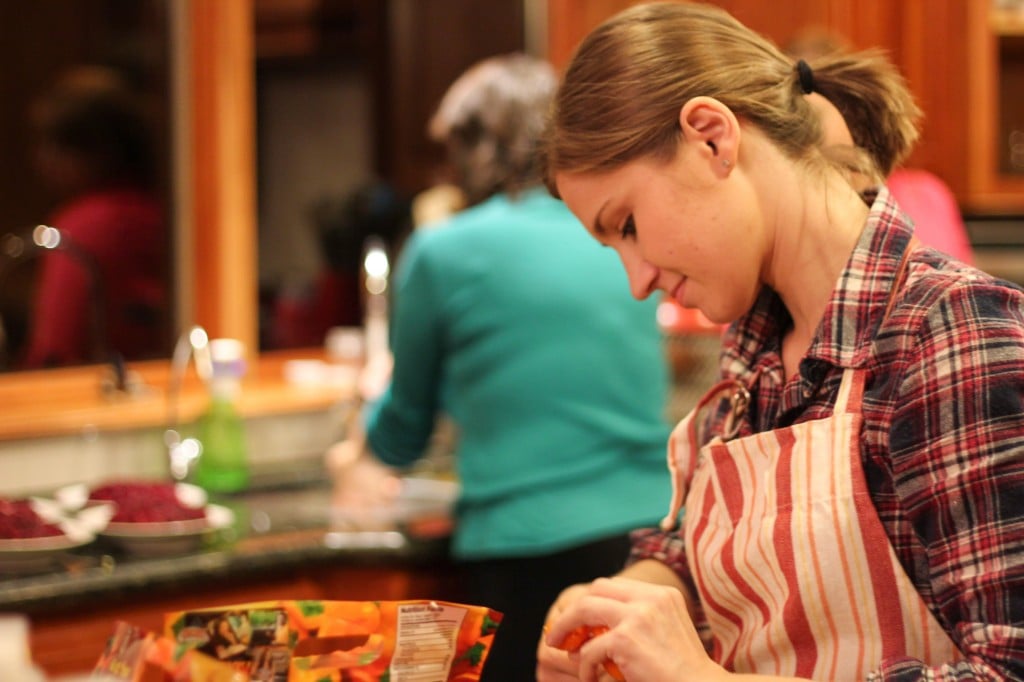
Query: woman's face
[(688, 227)]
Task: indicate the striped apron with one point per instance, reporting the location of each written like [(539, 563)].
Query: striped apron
[(794, 570)]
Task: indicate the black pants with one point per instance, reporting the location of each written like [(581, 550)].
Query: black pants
[(524, 589)]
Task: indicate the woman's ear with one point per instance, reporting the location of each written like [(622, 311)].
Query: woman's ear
[(715, 129)]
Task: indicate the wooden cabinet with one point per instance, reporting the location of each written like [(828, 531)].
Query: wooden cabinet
[(964, 62), (995, 90)]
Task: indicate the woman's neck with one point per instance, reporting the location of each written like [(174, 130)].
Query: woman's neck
[(819, 220)]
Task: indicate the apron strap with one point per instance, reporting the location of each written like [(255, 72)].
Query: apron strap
[(684, 444), (681, 465)]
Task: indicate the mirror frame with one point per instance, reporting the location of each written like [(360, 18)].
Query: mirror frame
[(215, 174)]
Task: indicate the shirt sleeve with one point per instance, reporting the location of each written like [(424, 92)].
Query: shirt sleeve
[(957, 451), (669, 548), (400, 423)]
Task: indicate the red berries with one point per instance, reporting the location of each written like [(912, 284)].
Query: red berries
[(145, 502), (19, 521)]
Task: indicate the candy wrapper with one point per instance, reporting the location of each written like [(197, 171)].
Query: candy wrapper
[(315, 641), (134, 655)]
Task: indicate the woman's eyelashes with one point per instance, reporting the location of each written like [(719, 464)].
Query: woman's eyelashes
[(628, 229)]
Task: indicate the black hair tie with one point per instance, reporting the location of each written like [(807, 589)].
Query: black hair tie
[(803, 69)]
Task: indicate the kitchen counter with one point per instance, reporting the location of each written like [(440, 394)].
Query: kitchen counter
[(275, 532), (285, 544), (61, 401), (58, 428)]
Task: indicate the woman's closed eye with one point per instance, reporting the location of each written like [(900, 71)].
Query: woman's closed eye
[(628, 229)]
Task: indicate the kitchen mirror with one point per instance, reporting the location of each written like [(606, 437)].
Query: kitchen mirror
[(85, 88), (369, 72)]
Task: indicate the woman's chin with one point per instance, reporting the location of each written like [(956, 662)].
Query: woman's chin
[(717, 315)]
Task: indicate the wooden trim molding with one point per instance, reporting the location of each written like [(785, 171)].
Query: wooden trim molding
[(221, 212)]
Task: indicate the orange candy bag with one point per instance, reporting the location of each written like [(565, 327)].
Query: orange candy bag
[(308, 641), (327, 641)]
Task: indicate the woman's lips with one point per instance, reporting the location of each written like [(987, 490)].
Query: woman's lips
[(678, 291)]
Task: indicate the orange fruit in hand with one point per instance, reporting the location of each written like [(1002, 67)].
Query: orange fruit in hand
[(579, 636), (613, 670), (575, 639)]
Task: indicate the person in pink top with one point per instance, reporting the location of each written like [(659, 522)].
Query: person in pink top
[(928, 200)]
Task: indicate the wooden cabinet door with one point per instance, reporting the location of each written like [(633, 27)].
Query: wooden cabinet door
[(429, 45)]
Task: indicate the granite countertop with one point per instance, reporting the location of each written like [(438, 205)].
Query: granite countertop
[(275, 529)]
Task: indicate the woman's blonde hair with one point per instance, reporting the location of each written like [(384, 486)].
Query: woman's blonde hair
[(492, 118), (622, 92)]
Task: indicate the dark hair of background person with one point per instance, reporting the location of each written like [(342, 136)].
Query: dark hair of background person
[(92, 116), (342, 224), (492, 119)]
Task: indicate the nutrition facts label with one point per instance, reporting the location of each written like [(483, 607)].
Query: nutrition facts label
[(426, 642)]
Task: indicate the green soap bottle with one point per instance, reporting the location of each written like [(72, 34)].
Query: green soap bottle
[(223, 465)]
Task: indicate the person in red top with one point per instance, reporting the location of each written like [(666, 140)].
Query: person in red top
[(105, 294)]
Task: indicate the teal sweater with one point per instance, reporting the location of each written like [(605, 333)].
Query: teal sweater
[(512, 320)]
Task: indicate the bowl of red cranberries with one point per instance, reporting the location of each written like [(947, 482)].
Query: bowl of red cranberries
[(31, 540), (154, 517)]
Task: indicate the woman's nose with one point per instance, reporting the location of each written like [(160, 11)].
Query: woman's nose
[(642, 276)]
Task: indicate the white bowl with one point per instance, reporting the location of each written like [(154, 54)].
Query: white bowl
[(26, 555), (168, 537)]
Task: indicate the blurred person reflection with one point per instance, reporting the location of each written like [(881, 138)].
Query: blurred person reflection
[(342, 225), (94, 150), (511, 322)]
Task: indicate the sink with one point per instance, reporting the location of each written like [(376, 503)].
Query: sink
[(423, 508)]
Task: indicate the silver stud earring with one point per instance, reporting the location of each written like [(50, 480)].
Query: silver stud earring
[(726, 163)]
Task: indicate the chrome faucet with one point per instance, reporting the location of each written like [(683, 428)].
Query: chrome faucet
[(183, 452), (376, 271)]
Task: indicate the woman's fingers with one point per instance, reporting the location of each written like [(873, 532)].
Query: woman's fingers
[(638, 630), (555, 665), (600, 603)]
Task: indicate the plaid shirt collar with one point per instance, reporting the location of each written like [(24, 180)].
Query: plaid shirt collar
[(854, 313)]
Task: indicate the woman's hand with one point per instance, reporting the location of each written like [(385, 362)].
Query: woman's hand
[(554, 664), (651, 637), (375, 376), (361, 482)]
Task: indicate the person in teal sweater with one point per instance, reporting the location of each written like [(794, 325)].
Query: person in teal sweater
[(509, 319)]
